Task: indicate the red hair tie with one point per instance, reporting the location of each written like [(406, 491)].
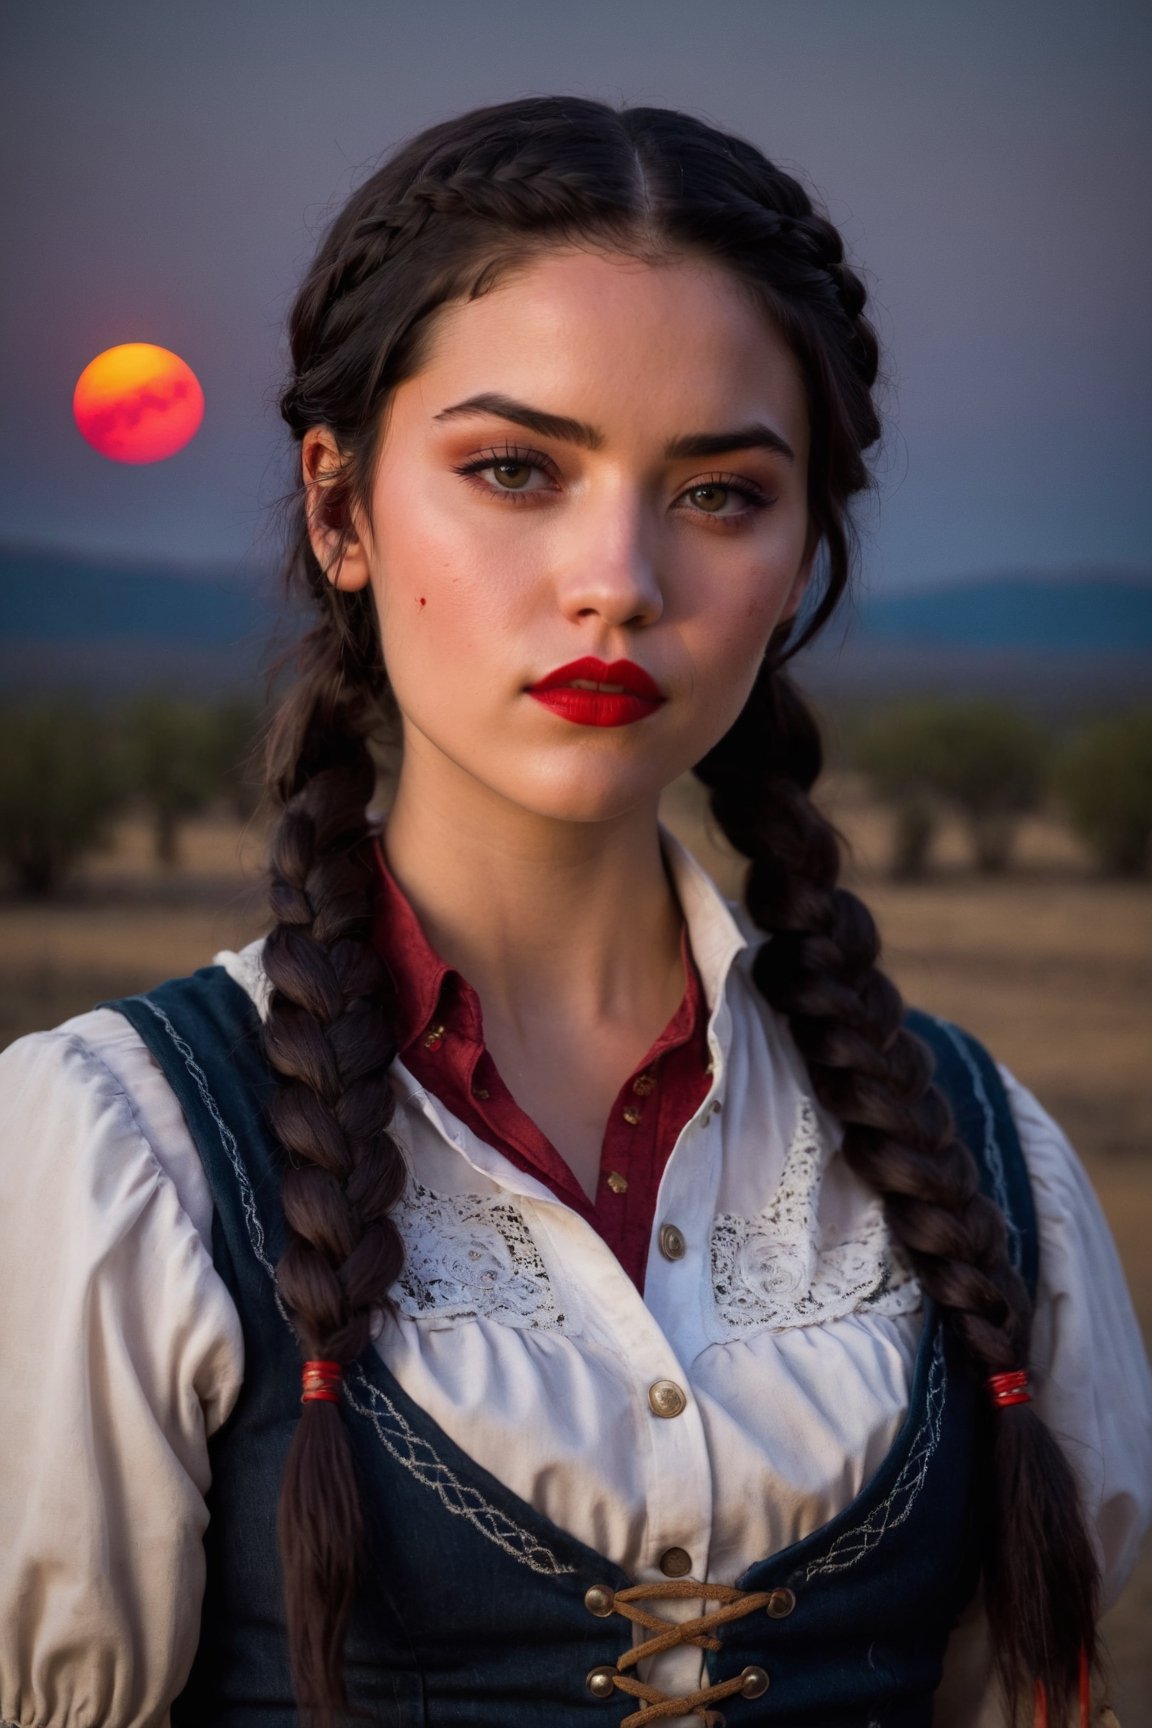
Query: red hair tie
[(321, 1382), (1004, 1389), (1040, 1713)]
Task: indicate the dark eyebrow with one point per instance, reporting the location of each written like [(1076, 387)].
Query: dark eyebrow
[(757, 436), (568, 431), (557, 426)]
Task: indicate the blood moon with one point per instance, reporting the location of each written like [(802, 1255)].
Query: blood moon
[(138, 402)]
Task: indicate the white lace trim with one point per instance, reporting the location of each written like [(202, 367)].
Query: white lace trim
[(779, 1270), (468, 1256)]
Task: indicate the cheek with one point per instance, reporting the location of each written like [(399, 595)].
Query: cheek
[(742, 633)]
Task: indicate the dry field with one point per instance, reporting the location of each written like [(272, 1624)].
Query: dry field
[(1051, 966)]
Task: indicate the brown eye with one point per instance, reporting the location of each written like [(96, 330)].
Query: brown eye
[(711, 497), (505, 471)]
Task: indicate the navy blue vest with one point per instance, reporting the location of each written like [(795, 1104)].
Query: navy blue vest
[(471, 1610)]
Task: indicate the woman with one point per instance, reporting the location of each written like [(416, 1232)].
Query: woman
[(590, 1272)]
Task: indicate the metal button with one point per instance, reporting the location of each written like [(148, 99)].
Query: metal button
[(434, 1038), (643, 1085), (631, 1115), (600, 1599), (754, 1682), (665, 1398), (672, 1243), (717, 1106), (675, 1562), (617, 1183), (601, 1682), (780, 1604)]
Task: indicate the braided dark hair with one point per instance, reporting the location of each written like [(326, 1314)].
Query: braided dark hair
[(447, 216)]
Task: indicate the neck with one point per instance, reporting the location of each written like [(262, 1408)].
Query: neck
[(575, 920)]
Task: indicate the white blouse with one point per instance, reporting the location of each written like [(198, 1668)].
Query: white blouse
[(786, 1326)]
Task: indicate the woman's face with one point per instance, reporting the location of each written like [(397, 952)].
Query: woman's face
[(601, 459)]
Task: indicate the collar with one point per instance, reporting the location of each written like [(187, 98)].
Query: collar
[(418, 972), (421, 975), (716, 934)]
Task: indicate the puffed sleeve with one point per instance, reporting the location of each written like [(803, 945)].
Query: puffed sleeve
[(120, 1354), (1091, 1385)]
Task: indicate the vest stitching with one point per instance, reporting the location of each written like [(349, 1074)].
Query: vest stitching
[(459, 1498), (228, 1141), (992, 1155), (456, 1496), (853, 1545)]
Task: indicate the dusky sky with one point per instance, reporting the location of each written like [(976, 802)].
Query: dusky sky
[(171, 166)]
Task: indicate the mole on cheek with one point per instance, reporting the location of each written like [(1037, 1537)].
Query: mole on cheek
[(423, 602)]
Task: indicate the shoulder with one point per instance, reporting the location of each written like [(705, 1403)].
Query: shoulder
[(245, 966), (86, 1111), (80, 1102)]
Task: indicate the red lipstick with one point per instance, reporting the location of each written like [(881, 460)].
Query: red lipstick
[(592, 692)]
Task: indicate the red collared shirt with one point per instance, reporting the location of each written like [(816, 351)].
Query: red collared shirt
[(441, 1038)]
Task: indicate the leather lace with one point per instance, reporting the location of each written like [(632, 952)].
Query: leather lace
[(732, 1604)]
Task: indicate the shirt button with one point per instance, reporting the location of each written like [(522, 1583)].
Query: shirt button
[(672, 1243), (675, 1562), (617, 1183), (716, 1107), (631, 1115), (665, 1398), (643, 1085)]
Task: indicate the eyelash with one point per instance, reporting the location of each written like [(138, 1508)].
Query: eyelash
[(755, 498)]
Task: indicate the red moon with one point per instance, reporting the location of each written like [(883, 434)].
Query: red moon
[(138, 403)]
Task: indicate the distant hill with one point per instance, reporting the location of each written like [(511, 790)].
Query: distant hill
[(1057, 644), (1089, 613), (106, 624), (60, 597)]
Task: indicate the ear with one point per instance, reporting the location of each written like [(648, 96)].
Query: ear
[(332, 529)]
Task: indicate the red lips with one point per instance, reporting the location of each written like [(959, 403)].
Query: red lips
[(633, 695)]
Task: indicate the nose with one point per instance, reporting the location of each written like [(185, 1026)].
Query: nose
[(611, 568)]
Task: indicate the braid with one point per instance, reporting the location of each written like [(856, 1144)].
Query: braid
[(328, 1035), (820, 970)]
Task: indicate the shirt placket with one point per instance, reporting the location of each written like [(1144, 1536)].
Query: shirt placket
[(654, 1339), (677, 1468), (677, 1295)]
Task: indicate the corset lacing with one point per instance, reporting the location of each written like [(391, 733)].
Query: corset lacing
[(733, 1604)]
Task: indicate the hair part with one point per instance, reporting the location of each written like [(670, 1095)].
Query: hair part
[(456, 210)]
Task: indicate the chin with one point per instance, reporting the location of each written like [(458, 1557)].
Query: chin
[(588, 798)]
